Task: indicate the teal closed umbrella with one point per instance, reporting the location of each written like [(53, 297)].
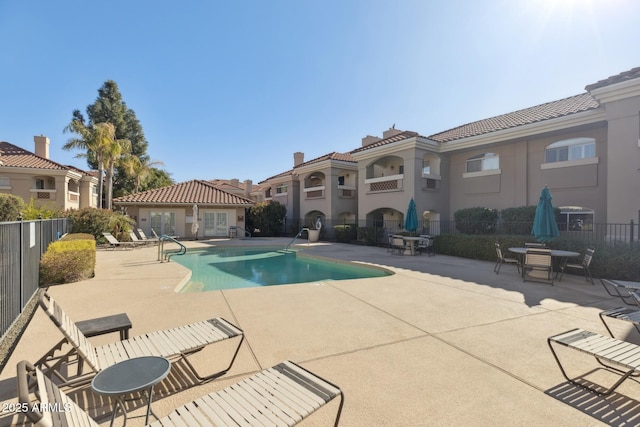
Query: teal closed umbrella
[(411, 218), (545, 227)]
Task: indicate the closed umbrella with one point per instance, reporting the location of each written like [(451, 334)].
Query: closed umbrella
[(545, 227), (411, 218), (194, 224)]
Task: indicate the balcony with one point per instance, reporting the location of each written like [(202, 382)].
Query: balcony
[(385, 183), (44, 194), (316, 192), (346, 191)]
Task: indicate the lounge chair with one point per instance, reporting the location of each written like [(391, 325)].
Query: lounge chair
[(624, 356), (113, 243), (137, 241), (179, 342), (537, 260), (504, 260), (584, 266), (621, 289), (144, 237), (282, 395)]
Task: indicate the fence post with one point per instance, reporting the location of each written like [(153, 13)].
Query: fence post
[(632, 231)]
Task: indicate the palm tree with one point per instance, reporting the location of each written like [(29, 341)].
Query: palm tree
[(114, 150), (138, 169), (92, 139)]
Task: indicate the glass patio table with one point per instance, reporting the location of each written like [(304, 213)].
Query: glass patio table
[(563, 256)]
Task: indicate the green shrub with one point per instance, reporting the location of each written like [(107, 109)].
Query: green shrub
[(370, 235), (517, 220), (67, 261), (618, 260), (77, 236), (10, 207), (267, 217), (95, 221), (476, 220), (346, 233)]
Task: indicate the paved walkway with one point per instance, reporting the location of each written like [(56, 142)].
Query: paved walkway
[(443, 341)]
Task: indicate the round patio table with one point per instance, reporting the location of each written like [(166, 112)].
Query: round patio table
[(130, 376)]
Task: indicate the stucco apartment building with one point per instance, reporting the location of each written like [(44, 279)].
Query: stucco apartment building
[(34, 176), (584, 148)]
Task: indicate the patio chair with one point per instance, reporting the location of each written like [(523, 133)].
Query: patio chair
[(535, 245), (284, 394), (180, 342), (113, 243), (426, 245), (584, 266), (504, 260), (537, 260), (624, 356), (397, 245)]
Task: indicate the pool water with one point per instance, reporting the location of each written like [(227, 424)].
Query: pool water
[(232, 268)]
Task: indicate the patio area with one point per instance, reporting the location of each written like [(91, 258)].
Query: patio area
[(443, 341)]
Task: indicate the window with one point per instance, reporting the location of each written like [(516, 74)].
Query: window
[(483, 162), (401, 169), (4, 181), (39, 184), (281, 189), (570, 149), (426, 167), (341, 180)]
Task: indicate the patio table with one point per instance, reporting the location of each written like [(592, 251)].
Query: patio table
[(410, 243)]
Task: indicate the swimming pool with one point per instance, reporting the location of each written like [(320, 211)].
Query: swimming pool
[(232, 268)]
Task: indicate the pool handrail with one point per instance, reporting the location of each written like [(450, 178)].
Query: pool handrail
[(296, 236), (165, 238)]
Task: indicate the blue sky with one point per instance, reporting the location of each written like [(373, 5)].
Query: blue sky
[(231, 89)]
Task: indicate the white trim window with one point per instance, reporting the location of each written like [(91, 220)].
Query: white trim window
[(570, 149), (483, 162), (281, 189)]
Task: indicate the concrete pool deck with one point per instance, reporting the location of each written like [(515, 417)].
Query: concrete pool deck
[(443, 341)]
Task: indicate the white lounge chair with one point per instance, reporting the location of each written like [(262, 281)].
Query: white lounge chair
[(114, 243), (179, 342), (282, 395)]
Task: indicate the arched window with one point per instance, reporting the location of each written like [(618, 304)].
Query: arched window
[(483, 162), (570, 149)]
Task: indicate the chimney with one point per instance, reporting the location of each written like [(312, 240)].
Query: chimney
[(235, 182), (368, 140), (248, 187), (298, 158), (42, 146), (391, 132)]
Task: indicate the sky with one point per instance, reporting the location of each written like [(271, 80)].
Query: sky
[(232, 89)]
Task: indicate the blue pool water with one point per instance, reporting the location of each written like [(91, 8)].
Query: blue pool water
[(231, 268)]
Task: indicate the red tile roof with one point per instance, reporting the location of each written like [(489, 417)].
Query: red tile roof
[(634, 73), (343, 157), (186, 193), (399, 137), (14, 156), (550, 110)]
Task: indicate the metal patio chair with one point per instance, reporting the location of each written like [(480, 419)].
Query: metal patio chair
[(504, 260)]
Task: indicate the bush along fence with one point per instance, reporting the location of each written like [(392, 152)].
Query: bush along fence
[(22, 244)]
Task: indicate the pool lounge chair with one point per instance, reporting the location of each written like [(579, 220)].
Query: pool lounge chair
[(144, 237), (179, 342), (282, 395), (113, 243), (137, 241), (624, 356)]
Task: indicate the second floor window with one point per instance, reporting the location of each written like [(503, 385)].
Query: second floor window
[(39, 184), (570, 149), (341, 180), (4, 181), (426, 167), (281, 189), (483, 162)]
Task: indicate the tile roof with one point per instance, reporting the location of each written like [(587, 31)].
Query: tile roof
[(399, 137), (14, 156), (343, 157), (550, 110), (634, 73), (187, 193)]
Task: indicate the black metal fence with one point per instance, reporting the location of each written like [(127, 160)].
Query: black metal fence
[(376, 232), (22, 243)]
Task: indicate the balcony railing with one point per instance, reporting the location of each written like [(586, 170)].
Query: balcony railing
[(314, 192), (385, 183)]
